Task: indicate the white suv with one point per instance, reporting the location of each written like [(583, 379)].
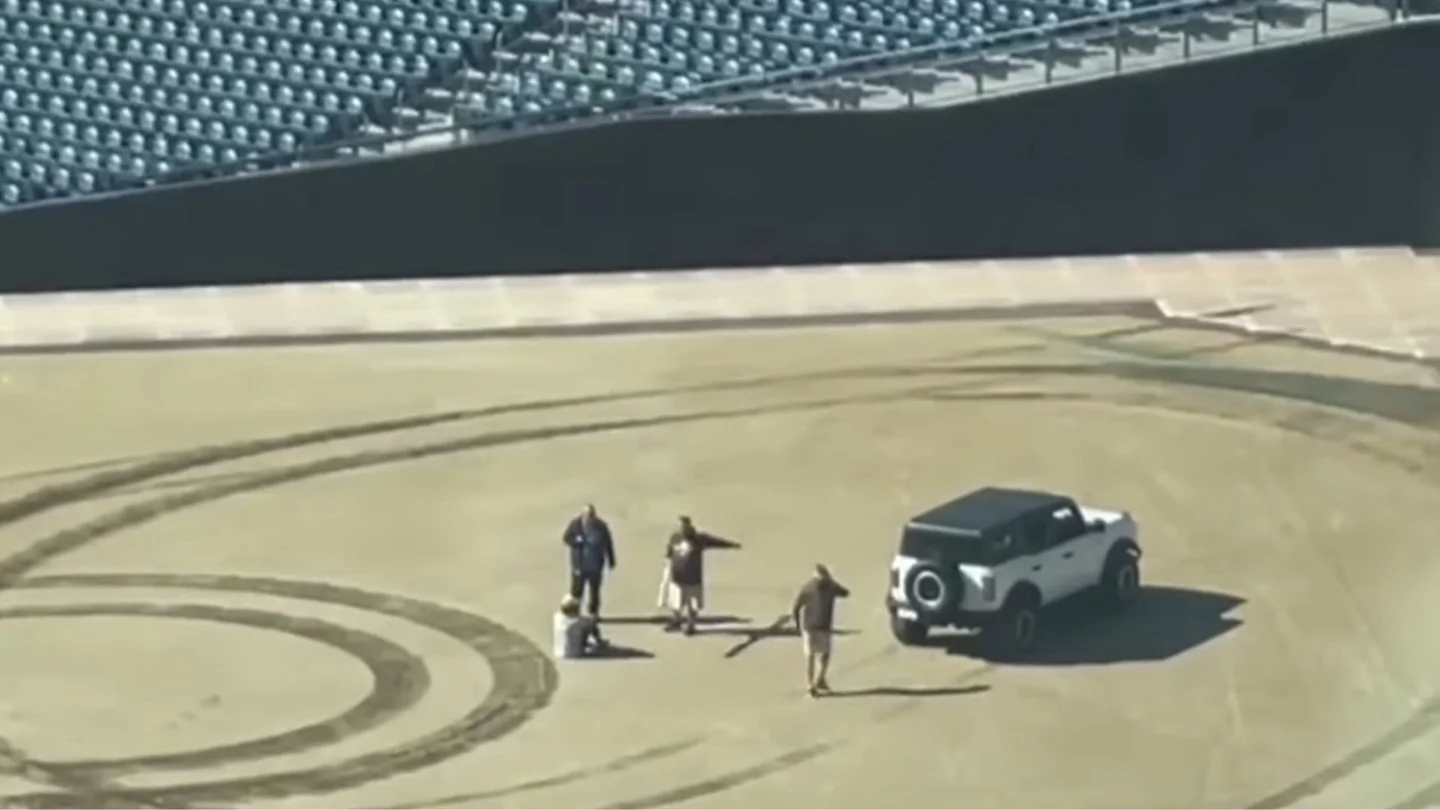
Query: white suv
[(992, 559)]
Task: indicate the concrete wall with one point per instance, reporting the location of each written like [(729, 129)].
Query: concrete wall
[(1324, 144)]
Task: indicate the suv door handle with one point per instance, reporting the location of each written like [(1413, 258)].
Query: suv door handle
[(1067, 555), (1037, 568)]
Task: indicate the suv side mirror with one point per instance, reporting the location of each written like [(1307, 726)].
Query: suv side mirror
[(1097, 525)]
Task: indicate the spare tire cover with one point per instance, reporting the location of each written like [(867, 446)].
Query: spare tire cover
[(933, 589)]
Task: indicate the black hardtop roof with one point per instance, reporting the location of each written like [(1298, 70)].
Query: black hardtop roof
[(988, 508)]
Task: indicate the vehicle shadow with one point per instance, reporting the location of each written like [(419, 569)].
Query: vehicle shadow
[(1165, 622)]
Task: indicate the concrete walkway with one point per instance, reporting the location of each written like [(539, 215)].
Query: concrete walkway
[(1378, 297)]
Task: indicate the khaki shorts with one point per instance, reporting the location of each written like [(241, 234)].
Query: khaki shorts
[(687, 597), (816, 642)]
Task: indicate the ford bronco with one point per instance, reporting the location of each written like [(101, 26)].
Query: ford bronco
[(990, 560)]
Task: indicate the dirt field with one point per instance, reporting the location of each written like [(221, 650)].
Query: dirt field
[(323, 577)]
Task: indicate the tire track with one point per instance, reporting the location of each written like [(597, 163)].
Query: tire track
[(1425, 798), (1424, 720), (19, 565), (645, 757), (87, 792), (524, 680), (398, 678), (475, 729), (725, 781)]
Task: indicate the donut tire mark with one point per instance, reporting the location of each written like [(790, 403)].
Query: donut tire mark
[(94, 794), (725, 781), (482, 724), (49, 497), (1291, 386), (1412, 406), (623, 763), (399, 680), (1427, 797), (1138, 401), (486, 722), (524, 681), (1426, 718), (113, 478), (791, 759), (1409, 405), (19, 564), (476, 727)]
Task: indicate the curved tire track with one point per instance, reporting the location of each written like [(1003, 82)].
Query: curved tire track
[(398, 680), (19, 565), (524, 681)]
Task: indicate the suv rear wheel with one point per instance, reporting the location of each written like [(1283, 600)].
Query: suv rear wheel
[(1015, 631), (908, 631)]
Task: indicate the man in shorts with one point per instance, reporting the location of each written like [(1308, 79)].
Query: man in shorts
[(814, 615), (683, 578)]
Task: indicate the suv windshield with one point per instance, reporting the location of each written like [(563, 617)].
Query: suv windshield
[(950, 547)]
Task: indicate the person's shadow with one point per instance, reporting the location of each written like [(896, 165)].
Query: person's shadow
[(909, 691), (703, 620), (618, 652), (780, 627)]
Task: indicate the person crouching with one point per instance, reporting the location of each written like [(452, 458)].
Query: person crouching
[(576, 635)]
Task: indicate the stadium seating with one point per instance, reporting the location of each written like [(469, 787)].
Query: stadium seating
[(104, 94), (675, 46), (97, 94)]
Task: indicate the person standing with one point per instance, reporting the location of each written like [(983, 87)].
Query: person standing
[(814, 615), (592, 551), (685, 553)]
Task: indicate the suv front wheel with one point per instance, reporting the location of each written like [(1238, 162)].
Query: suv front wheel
[(1120, 579)]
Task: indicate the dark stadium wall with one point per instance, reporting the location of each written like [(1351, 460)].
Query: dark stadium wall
[(1318, 145), (1425, 187)]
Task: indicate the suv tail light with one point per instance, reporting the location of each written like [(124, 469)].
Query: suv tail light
[(987, 586), (894, 578)]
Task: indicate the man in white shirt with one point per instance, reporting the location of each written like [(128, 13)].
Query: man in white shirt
[(576, 636)]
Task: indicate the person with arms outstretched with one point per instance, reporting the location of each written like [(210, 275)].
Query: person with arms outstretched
[(683, 578)]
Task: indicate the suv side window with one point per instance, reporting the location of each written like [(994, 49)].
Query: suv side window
[(1004, 546), (1033, 533), (1065, 524)]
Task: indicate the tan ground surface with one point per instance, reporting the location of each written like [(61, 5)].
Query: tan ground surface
[(195, 629)]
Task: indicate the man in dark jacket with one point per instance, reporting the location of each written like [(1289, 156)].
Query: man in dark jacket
[(814, 615), (592, 550), (684, 586)]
